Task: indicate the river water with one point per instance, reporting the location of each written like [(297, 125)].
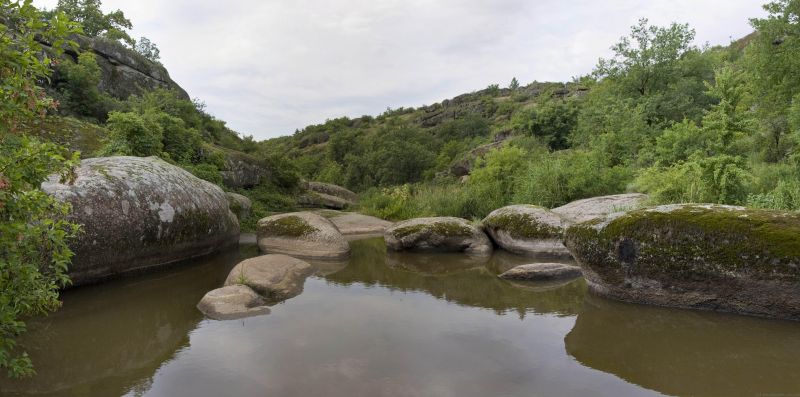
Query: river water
[(397, 325)]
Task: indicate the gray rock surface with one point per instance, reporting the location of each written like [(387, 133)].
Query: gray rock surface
[(232, 302), (302, 234), (598, 207), (698, 256), (542, 272), (332, 190), (326, 195), (276, 277), (442, 234), (138, 213), (241, 171), (352, 224), (240, 205), (527, 230)]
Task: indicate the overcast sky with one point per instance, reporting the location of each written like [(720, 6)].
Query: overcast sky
[(270, 67)]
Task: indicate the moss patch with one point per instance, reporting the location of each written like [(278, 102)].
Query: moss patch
[(694, 242), (292, 226), (447, 229), (523, 226)]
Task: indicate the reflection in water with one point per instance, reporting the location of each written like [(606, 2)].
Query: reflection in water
[(397, 324), (106, 338), (687, 353)]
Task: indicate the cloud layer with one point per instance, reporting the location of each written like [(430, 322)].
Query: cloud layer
[(270, 67)]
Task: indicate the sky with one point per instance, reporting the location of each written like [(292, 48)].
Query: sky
[(269, 67)]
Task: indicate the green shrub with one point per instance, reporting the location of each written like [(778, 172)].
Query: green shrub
[(132, 134)]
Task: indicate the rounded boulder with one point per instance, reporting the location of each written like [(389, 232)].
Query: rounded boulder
[(526, 230), (302, 234), (441, 234)]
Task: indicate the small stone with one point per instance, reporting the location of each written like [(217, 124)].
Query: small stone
[(542, 272)]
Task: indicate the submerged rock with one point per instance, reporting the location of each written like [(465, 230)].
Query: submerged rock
[(444, 234), (542, 272), (598, 207), (139, 213), (232, 302), (710, 257), (302, 234), (240, 205), (526, 230), (276, 277)]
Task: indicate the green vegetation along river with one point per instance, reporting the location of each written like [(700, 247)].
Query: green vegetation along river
[(397, 325)]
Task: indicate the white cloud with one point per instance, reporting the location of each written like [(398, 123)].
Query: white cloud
[(269, 67)]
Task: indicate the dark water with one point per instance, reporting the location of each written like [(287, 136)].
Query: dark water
[(398, 325)]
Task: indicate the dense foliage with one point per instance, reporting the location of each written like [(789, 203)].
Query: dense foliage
[(33, 233)]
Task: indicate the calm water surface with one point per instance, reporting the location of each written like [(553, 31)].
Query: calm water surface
[(398, 325)]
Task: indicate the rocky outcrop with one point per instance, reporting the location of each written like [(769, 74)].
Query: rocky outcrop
[(444, 234), (352, 224), (598, 207), (138, 213), (232, 302), (542, 272), (326, 195), (276, 277), (527, 230), (709, 257), (302, 234), (240, 205), (240, 170)]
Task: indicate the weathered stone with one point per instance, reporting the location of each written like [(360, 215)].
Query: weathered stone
[(542, 272), (240, 171), (526, 230), (444, 234), (696, 256), (139, 213), (352, 224), (332, 190), (240, 205), (276, 277), (302, 234), (598, 207), (232, 302), (321, 200)]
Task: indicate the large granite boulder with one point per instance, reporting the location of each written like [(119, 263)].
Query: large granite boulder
[(302, 234), (232, 302), (354, 225), (276, 277), (542, 272), (138, 213), (326, 195), (526, 230), (710, 257), (443, 234), (240, 205), (598, 207)]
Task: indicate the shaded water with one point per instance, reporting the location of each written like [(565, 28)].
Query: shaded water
[(398, 325)]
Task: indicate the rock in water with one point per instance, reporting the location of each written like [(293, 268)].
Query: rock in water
[(276, 277), (302, 234), (240, 205), (527, 230), (444, 234), (232, 302), (696, 256), (598, 207), (542, 272), (139, 213)]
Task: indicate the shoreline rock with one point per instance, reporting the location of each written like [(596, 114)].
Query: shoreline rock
[(232, 302), (526, 230), (442, 234), (598, 207), (302, 234), (542, 272), (276, 277), (696, 256)]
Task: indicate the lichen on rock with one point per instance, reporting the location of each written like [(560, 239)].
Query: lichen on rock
[(445, 234)]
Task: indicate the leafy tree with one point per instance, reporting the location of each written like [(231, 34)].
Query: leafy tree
[(33, 233), (96, 23), (514, 85), (148, 49), (552, 120), (76, 84)]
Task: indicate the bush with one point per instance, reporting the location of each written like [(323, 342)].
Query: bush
[(132, 134)]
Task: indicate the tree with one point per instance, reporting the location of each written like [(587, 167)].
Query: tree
[(95, 23), (148, 49), (514, 85), (33, 231)]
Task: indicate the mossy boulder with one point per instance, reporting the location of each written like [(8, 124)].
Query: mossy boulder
[(598, 207), (232, 302), (526, 230), (302, 234), (138, 213), (240, 205), (698, 256), (276, 277), (444, 234)]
